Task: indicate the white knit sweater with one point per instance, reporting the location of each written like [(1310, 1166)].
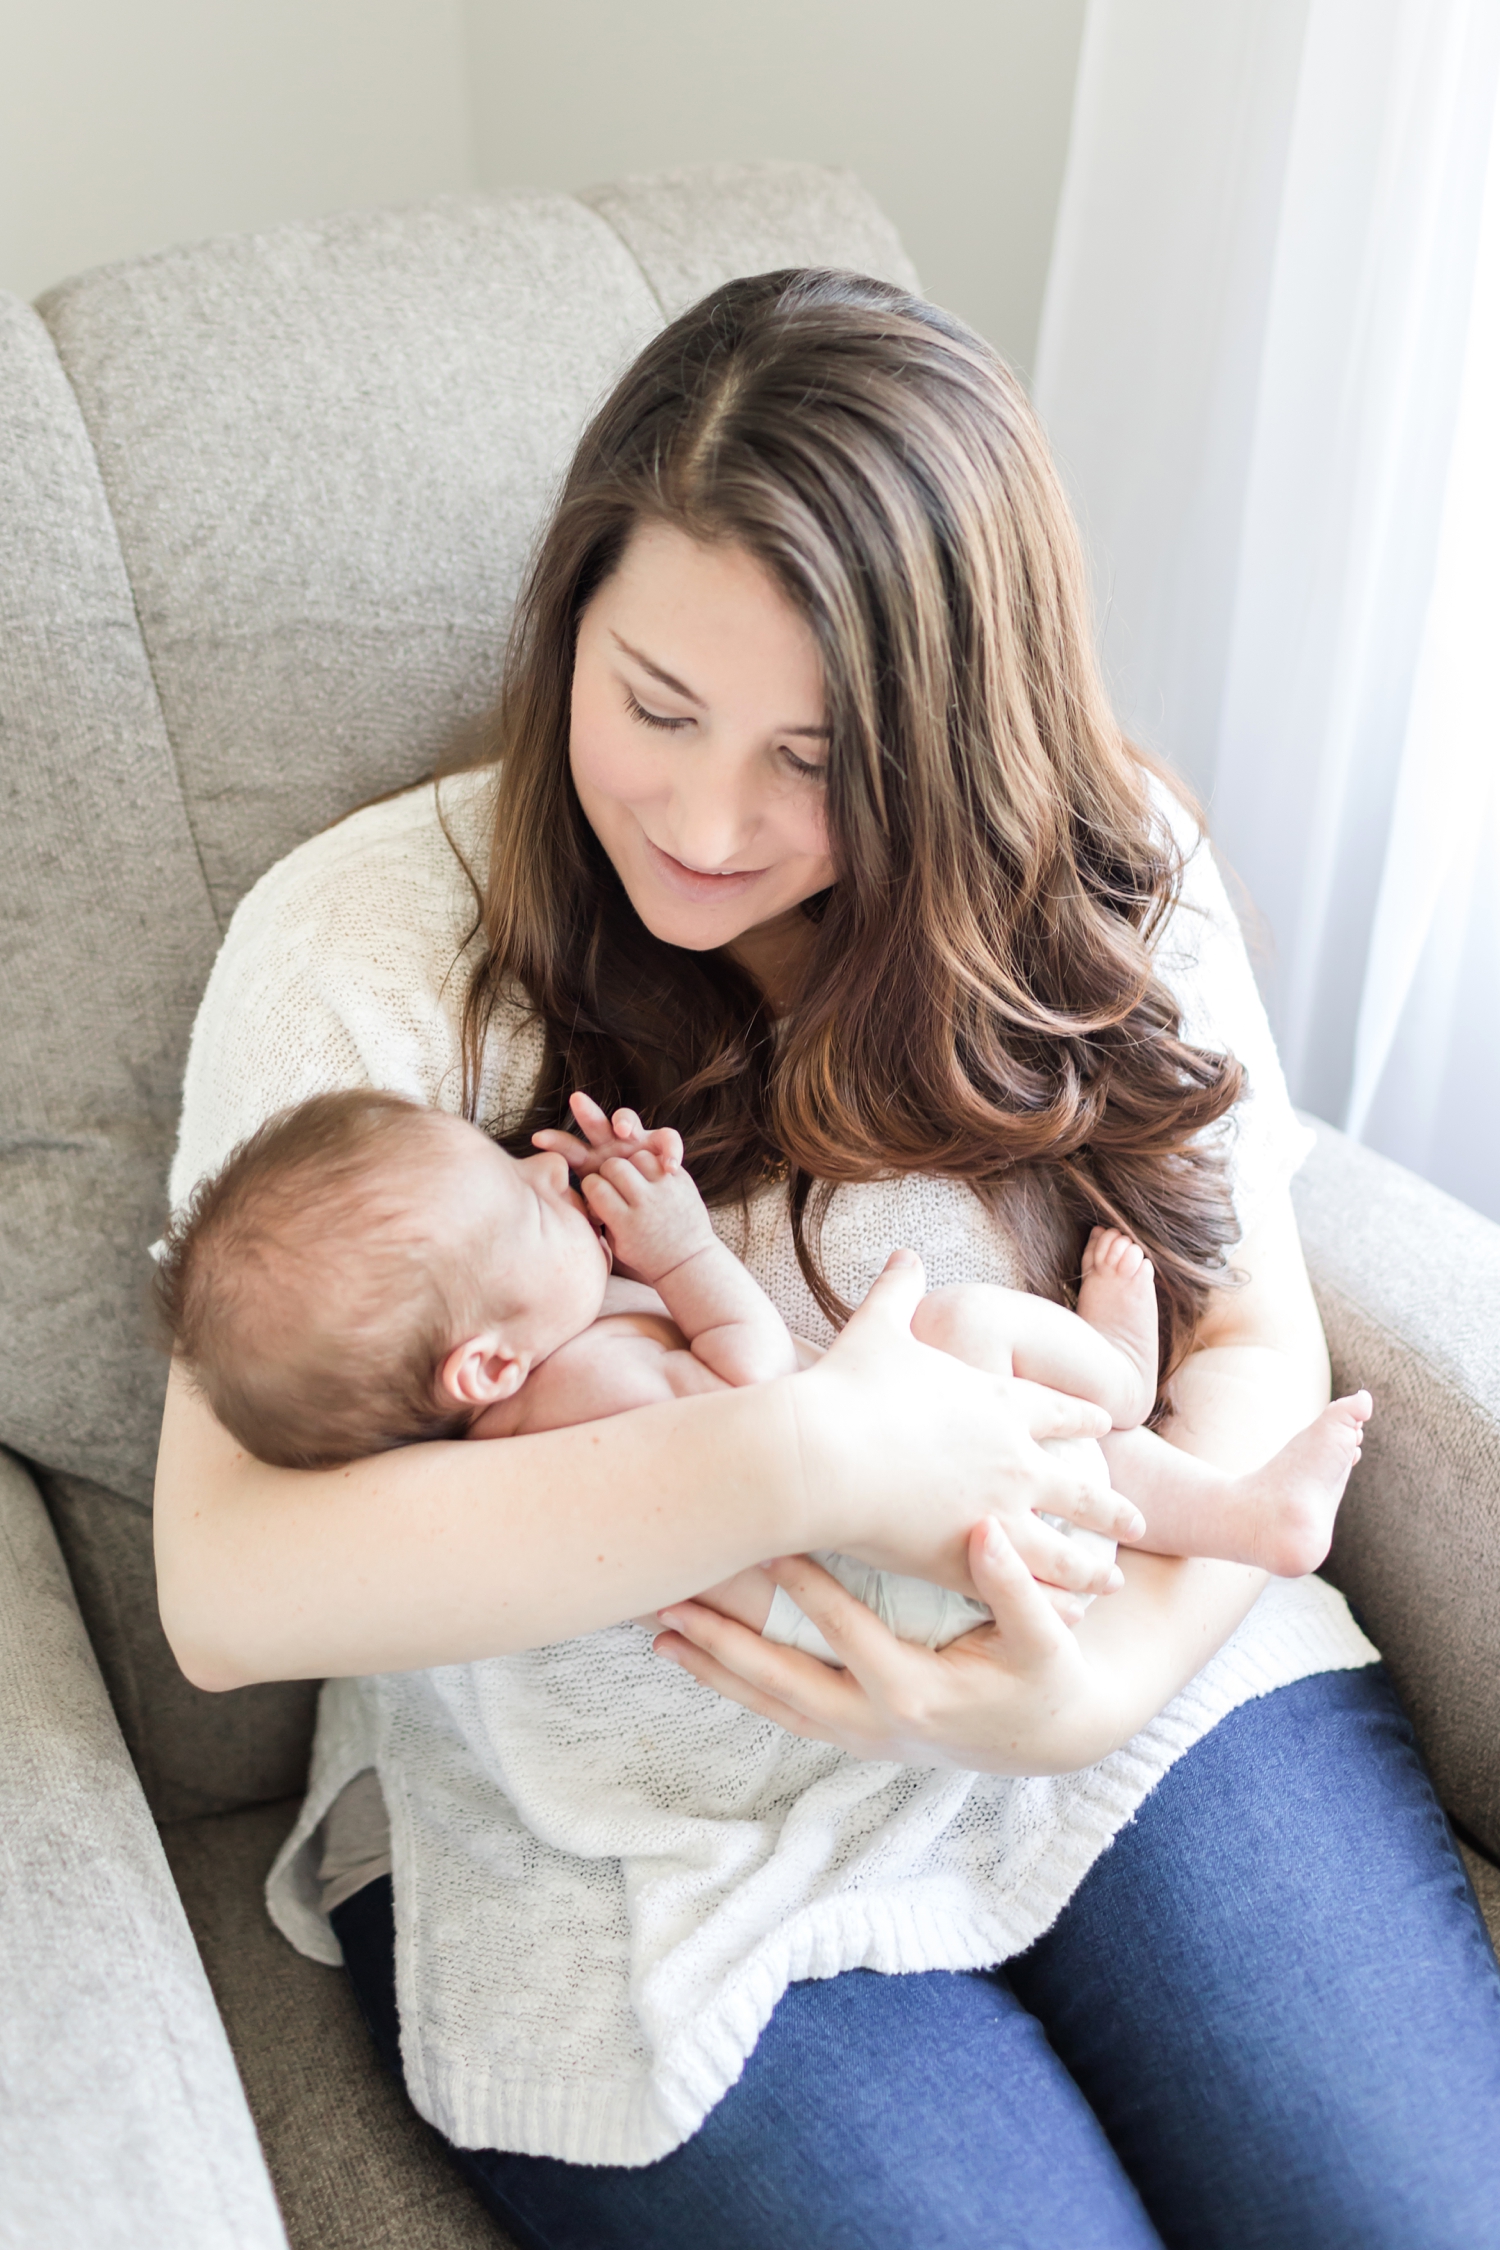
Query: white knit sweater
[(605, 1875)]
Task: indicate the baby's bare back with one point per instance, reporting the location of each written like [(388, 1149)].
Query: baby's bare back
[(634, 1354)]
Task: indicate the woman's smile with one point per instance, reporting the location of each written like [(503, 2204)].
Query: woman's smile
[(701, 882)]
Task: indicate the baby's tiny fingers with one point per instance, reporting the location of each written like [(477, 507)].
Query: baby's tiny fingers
[(591, 1119), (580, 1156), (603, 1199), (621, 1173), (665, 1145)]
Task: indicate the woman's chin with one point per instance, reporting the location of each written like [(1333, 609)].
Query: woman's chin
[(701, 931)]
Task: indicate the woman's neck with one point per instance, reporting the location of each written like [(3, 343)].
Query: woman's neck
[(775, 954)]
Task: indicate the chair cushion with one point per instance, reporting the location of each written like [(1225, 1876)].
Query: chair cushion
[(354, 2166), (326, 450), (691, 229), (106, 937), (1408, 1283), (194, 1753)]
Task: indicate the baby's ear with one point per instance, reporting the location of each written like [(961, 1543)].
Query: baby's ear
[(480, 1371)]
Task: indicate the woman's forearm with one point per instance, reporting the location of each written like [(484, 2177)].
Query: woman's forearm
[(1143, 1646), (437, 1554), (1236, 1400)]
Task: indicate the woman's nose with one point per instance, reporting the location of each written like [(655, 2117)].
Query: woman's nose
[(710, 820)]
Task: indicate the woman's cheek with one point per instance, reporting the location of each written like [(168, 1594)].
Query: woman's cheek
[(610, 764)]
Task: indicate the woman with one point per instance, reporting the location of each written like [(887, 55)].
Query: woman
[(814, 837)]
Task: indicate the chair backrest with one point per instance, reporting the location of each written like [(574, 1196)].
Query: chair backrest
[(264, 507)]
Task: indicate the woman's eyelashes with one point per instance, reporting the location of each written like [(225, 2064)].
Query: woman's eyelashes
[(638, 711), (805, 769)]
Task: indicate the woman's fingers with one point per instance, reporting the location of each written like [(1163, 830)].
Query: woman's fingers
[(1053, 1414), (1081, 1566), (889, 1303), (1030, 1629), (796, 1691), (868, 1648)]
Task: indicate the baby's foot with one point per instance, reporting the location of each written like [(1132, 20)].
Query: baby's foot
[(1291, 1503), (1117, 1296)]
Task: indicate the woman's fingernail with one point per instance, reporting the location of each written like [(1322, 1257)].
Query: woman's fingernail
[(1135, 1524), (1116, 1579)]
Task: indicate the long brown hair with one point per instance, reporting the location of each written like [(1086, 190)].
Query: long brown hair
[(978, 997)]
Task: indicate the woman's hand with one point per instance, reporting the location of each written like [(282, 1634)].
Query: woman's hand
[(991, 1429), (1015, 1697), (1022, 1696), (1018, 1696)]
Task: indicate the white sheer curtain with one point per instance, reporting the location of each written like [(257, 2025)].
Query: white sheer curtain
[(1270, 364)]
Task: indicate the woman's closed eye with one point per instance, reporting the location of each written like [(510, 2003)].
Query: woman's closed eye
[(804, 769), (638, 711)]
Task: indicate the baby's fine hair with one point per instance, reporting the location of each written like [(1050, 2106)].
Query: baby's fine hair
[(301, 1289)]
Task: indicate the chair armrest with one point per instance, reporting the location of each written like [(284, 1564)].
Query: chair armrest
[(122, 2120), (1408, 1283)]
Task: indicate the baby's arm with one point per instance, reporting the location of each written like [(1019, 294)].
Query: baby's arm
[(1105, 1352), (634, 1184), (657, 1224)]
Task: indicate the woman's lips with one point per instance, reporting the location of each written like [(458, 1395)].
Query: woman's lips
[(688, 882)]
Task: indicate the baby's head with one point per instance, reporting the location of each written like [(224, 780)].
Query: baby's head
[(364, 1273)]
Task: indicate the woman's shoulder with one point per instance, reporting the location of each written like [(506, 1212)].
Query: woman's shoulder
[(1202, 957), (410, 863), (346, 965)]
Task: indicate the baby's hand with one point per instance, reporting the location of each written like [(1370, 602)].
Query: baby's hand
[(622, 1135), (655, 1219)]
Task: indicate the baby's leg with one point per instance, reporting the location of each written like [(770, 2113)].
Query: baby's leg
[(1007, 1331), (1279, 1518)]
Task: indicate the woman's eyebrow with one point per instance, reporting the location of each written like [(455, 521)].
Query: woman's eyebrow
[(657, 673), (677, 687)]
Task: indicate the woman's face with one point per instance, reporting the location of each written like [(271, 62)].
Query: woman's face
[(699, 746)]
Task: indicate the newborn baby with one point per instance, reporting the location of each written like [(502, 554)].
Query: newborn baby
[(365, 1273)]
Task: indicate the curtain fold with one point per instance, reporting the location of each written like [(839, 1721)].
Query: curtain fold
[(1267, 362)]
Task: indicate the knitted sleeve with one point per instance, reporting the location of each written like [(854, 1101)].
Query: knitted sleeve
[(1203, 958)]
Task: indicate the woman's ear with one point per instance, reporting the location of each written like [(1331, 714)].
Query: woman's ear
[(482, 1370)]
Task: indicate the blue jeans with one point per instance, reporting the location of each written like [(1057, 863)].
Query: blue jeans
[(1268, 2019)]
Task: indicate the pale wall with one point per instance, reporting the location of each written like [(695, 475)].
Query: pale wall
[(126, 124), (953, 112)]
